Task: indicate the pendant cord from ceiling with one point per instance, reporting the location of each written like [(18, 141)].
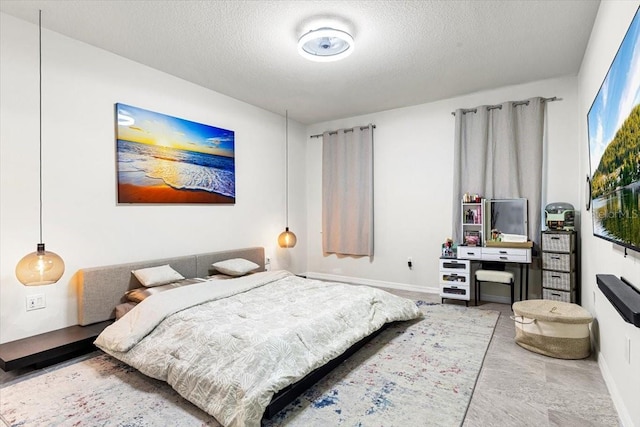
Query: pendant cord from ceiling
[(499, 107), (346, 130), (41, 267), (286, 156), (287, 239), (40, 104)]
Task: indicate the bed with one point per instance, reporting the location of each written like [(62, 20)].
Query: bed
[(239, 348)]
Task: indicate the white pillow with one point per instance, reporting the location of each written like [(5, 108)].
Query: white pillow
[(156, 276), (235, 266)]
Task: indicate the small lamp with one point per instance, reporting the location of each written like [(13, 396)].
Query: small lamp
[(287, 239), (40, 267)]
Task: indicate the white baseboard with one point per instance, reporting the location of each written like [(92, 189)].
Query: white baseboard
[(371, 282), (623, 414)]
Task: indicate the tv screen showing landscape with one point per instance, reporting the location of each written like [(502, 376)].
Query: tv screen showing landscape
[(614, 146)]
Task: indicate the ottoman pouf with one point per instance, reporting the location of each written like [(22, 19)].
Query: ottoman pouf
[(553, 328)]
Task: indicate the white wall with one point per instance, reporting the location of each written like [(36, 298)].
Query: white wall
[(413, 158), (82, 222), (413, 152), (599, 256)]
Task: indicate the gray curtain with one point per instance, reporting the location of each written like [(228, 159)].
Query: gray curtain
[(347, 192), (498, 154)]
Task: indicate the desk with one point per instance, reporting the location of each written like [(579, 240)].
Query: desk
[(520, 256)]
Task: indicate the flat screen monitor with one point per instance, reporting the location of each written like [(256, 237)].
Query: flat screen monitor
[(509, 216)]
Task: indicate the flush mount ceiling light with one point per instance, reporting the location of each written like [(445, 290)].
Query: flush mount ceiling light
[(325, 44)]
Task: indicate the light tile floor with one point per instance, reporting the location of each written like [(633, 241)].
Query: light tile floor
[(515, 387)]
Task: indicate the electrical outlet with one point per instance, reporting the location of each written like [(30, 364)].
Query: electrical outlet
[(35, 302), (627, 349)]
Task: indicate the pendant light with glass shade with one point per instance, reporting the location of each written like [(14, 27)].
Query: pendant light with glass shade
[(287, 239), (41, 267)]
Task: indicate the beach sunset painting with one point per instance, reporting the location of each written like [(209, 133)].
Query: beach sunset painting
[(164, 159)]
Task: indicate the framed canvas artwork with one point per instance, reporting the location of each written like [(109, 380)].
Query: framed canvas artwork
[(163, 159)]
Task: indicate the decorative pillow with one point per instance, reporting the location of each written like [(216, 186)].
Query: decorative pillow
[(139, 294), (235, 267), (124, 308), (156, 276)]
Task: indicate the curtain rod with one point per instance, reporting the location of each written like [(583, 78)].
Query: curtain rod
[(346, 130), (499, 107)]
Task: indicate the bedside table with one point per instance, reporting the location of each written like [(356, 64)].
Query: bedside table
[(51, 347)]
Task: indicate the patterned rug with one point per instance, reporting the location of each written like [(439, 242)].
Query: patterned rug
[(414, 373)]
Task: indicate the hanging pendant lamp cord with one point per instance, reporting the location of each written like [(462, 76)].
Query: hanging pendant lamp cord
[(40, 103), (286, 138)]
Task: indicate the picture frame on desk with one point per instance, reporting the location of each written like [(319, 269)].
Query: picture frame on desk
[(449, 251)]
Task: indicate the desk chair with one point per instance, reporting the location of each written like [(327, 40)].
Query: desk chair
[(494, 273)]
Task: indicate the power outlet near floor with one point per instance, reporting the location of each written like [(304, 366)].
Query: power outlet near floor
[(627, 350), (36, 302)]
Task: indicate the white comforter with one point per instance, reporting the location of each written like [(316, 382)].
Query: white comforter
[(229, 346)]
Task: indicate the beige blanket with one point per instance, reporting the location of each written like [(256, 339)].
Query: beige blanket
[(229, 346)]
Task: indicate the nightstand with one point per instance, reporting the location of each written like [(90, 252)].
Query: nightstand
[(51, 347)]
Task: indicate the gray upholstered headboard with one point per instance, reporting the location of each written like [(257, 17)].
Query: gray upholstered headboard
[(100, 289)]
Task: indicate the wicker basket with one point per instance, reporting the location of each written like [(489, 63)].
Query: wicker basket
[(557, 280), (558, 242), (555, 295), (560, 262), (553, 328)]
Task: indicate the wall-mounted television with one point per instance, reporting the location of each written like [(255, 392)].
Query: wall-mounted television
[(614, 147), (509, 216)]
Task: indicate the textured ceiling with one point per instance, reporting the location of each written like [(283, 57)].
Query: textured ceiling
[(407, 52)]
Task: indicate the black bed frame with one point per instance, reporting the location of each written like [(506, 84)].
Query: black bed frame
[(290, 393)]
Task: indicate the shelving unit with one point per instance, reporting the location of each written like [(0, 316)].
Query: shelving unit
[(472, 222), (559, 266)]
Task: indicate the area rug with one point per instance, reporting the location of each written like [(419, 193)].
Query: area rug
[(419, 373)]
